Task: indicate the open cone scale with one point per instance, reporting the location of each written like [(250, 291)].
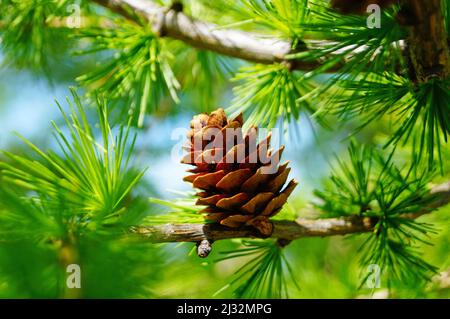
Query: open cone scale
[(241, 181)]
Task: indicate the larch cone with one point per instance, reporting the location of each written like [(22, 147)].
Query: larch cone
[(240, 180)]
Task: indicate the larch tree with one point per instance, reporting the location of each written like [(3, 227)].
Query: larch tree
[(373, 76)]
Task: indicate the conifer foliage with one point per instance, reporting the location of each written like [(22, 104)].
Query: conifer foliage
[(371, 80)]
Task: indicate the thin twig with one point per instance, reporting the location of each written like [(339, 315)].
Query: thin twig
[(168, 22), (428, 45), (286, 230)]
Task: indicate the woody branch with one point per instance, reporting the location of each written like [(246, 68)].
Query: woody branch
[(172, 23), (428, 46), (283, 230), (427, 40)]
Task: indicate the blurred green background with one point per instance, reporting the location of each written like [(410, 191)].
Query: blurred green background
[(118, 268), (323, 267)]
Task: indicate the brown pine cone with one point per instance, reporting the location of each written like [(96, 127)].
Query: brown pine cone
[(240, 179)]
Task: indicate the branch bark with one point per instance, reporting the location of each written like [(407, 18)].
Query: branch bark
[(283, 230), (287, 230), (427, 41), (168, 22)]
